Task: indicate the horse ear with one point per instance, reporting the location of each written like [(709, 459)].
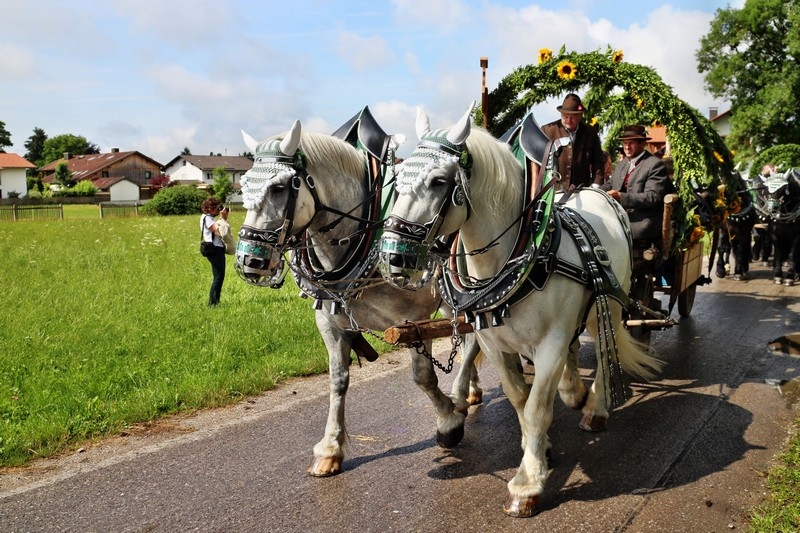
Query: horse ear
[(423, 125), (250, 142), (460, 131), (290, 143)]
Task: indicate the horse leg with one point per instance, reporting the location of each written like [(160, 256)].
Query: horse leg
[(571, 388), (449, 421), (724, 250), (466, 390), (329, 452), (527, 486)]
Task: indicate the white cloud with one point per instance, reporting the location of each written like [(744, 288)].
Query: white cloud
[(363, 53)]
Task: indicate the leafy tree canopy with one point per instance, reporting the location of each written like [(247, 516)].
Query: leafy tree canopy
[(5, 137), (186, 151), (750, 57), (56, 147), (617, 94)]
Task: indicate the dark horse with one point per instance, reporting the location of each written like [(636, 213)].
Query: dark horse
[(778, 200), (735, 233)]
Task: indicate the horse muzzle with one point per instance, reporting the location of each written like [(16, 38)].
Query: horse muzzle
[(260, 264), (404, 263)]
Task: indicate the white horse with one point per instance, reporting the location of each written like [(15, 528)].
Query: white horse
[(308, 194), (463, 180)]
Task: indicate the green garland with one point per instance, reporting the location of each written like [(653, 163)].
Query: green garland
[(622, 93)]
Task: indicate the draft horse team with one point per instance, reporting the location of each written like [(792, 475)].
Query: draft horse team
[(461, 226)]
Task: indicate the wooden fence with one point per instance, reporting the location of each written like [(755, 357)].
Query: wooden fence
[(31, 212), (108, 209)]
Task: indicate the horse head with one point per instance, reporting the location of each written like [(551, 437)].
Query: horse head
[(432, 203), (778, 195), (276, 194)]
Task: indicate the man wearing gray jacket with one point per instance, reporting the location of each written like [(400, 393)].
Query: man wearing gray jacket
[(639, 183)]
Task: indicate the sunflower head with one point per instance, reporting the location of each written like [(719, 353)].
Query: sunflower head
[(616, 57), (566, 70), (545, 54)]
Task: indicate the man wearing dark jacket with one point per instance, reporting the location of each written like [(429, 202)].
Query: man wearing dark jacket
[(639, 183), (582, 162)]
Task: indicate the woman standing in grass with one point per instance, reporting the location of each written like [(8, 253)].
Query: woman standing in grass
[(212, 207)]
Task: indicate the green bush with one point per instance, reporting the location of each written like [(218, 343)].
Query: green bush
[(783, 156), (178, 200), (82, 188)]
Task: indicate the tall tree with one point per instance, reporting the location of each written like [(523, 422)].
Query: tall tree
[(56, 147), (5, 137), (186, 151), (35, 147), (751, 58)]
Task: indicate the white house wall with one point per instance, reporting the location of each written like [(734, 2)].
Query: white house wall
[(13, 180), (124, 191)]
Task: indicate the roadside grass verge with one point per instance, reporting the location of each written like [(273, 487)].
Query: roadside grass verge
[(782, 512), (105, 325)]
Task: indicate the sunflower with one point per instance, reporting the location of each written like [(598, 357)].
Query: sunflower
[(593, 122), (566, 70), (639, 103), (616, 57), (718, 157), (545, 54), (696, 236)]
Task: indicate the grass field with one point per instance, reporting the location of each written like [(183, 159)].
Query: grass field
[(106, 325)]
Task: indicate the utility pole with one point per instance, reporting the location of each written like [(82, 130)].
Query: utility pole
[(484, 92)]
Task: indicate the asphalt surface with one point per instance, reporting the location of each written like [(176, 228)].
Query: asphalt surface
[(688, 453)]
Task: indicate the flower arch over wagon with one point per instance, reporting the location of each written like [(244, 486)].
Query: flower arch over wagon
[(619, 93)]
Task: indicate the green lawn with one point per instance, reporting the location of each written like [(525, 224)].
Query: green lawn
[(106, 325)]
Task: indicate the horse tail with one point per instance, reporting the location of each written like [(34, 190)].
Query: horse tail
[(634, 356)]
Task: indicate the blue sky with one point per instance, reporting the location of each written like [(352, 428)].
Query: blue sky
[(158, 75)]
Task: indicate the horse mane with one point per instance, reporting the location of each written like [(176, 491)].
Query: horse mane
[(500, 183), (330, 158)]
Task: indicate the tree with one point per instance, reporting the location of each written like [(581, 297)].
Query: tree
[(248, 155), (56, 147), (186, 151), (35, 147), (222, 187), (750, 57), (62, 176), (5, 137)]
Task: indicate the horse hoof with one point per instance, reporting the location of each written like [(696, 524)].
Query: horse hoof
[(764, 263), (325, 466), (777, 281), (520, 507), (451, 439), (788, 283), (593, 423), (738, 277), (475, 398)]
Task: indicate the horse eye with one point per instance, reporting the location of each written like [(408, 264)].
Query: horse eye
[(278, 188), (438, 181)]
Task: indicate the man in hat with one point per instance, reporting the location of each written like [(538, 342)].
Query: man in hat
[(639, 183), (581, 163)]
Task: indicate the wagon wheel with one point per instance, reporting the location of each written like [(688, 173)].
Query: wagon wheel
[(686, 301)]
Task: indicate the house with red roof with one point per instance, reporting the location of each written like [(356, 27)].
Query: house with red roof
[(132, 166), (13, 170)]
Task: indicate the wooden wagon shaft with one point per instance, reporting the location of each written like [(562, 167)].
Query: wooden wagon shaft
[(651, 323), (410, 332)]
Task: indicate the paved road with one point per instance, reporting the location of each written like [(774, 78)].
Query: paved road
[(687, 453)]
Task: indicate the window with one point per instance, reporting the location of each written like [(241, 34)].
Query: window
[(104, 174), (147, 174)]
